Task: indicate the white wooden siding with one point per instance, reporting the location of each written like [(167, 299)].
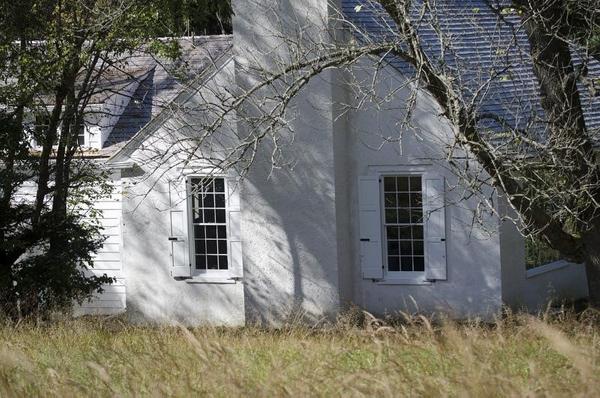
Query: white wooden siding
[(108, 260)]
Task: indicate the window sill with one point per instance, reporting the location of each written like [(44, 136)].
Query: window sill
[(404, 281), (213, 279)]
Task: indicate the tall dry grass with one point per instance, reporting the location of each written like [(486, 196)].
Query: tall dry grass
[(519, 355)]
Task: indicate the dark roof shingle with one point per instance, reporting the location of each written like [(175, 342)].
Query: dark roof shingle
[(483, 39)]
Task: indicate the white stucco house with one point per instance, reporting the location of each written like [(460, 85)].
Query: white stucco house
[(381, 224)]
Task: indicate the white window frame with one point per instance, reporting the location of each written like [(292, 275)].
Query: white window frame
[(400, 277), (415, 275), (84, 133), (196, 273)]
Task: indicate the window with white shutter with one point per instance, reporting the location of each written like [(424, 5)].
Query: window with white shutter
[(402, 226)]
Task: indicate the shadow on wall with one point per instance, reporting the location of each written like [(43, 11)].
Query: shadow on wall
[(289, 222), (290, 260)]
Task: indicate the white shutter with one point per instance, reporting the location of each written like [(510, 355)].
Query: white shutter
[(435, 227), (178, 236), (371, 261), (234, 227)]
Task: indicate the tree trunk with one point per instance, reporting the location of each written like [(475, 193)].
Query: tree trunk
[(592, 266)]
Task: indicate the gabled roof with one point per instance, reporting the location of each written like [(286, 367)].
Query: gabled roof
[(167, 109), (482, 42), (163, 80)]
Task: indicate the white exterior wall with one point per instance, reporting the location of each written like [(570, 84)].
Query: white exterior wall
[(473, 285), (153, 295), (108, 260), (289, 226)]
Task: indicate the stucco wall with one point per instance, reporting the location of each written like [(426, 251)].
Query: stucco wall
[(377, 139), (153, 295), (289, 217)]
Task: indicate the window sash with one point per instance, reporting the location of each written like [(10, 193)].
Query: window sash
[(413, 224), (208, 226)]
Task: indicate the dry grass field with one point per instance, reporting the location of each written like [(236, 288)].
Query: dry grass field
[(556, 355)]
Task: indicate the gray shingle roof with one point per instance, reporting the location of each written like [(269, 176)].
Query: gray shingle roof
[(481, 42), (162, 80)]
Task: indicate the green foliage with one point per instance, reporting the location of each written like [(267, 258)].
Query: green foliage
[(52, 57), (189, 17), (538, 253)]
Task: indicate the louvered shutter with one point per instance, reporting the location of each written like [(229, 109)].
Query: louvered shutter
[(178, 237), (234, 227), (435, 227), (371, 261)]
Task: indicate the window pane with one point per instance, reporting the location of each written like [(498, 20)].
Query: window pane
[(403, 200), (402, 184), (208, 200), (406, 263), (223, 262), (211, 246), (418, 247), (406, 248), (405, 233), (209, 216), (393, 248), (197, 217), (220, 200), (199, 231), (390, 200), (415, 184), (200, 246), (416, 216), (209, 185), (220, 215), (222, 246), (222, 233), (392, 232), (417, 231), (212, 262), (201, 262), (391, 216), (419, 263), (416, 200), (211, 231), (219, 185), (393, 263), (389, 184), (403, 216)]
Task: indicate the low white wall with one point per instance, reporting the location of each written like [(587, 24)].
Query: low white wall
[(556, 281), (533, 289)]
